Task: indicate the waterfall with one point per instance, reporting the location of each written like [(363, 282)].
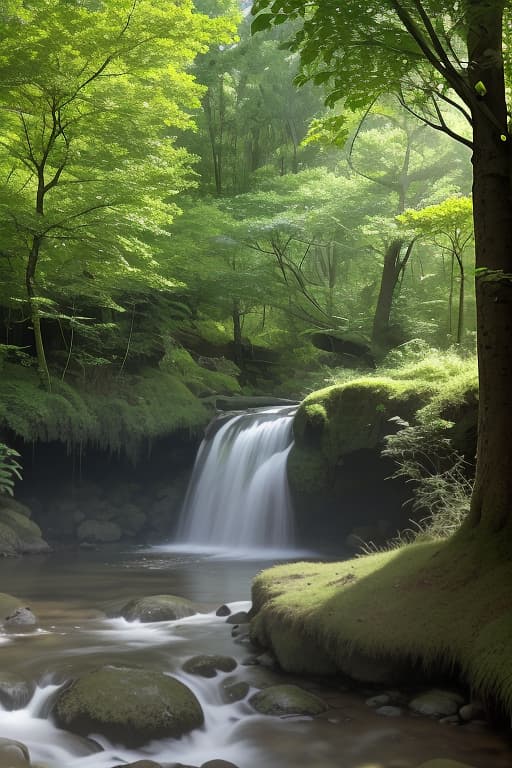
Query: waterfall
[(238, 495)]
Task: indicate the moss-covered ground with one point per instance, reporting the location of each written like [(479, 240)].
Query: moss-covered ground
[(439, 604)]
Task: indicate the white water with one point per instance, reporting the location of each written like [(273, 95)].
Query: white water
[(238, 497)]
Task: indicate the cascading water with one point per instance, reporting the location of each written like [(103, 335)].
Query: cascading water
[(238, 495)]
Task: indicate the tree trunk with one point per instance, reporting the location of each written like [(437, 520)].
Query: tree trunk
[(460, 320), (390, 275), (238, 353), (42, 365), (491, 504)]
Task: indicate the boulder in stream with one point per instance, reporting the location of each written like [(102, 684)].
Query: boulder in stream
[(13, 754), (437, 703), (282, 700), (15, 693), (209, 665), (156, 608), (129, 706)]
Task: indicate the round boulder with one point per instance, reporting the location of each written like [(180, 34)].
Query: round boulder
[(437, 703), (208, 666), (223, 610), (157, 608), (130, 706), (218, 764), (20, 620), (14, 754), (283, 700), (242, 617), (233, 690)]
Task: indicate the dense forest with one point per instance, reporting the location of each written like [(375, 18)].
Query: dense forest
[(206, 206), (178, 216)]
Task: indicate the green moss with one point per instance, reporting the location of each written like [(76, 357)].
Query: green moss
[(354, 415), (121, 414), (426, 603)]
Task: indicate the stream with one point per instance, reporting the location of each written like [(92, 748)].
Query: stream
[(68, 592)]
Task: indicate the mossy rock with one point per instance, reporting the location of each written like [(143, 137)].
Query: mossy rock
[(157, 608), (28, 534), (234, 690), (209, 665), (282, 700), (129, 706), (8, 502), (9, 543)]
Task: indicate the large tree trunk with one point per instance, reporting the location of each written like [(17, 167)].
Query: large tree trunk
[(491, 504)]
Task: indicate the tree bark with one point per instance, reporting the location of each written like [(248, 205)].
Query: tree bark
[(389, 279), (491, 505), (42, 365), (238, 353)]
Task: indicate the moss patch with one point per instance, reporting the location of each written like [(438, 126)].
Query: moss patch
[(132, 706), (427, 604), (120, 416), (355, 415)]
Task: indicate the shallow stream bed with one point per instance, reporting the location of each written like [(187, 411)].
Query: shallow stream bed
[(69, 591)]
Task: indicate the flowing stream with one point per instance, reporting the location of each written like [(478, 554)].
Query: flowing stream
[(68, 591), (238, 497), (238, 505)]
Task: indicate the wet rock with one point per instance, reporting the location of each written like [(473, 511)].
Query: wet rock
[(21, 619), (389, 711), (240, 630), (287, 700), (450, 720), (100, 531), (18, 533), (234, 691), (249, 661), (242, 617), (223, 611), (378, 701), (218, 764), (140, 764), (437, 703), (14, 693), (129, 706), (267, 660), (208, 666), (157, 608), (13, 754), (472, 711)]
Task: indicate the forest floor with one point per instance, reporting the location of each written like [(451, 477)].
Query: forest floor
[(437, 607)]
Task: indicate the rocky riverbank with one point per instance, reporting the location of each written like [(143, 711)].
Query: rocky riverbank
[(133, 705)]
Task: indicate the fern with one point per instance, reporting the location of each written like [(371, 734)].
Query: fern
[(10, 469)]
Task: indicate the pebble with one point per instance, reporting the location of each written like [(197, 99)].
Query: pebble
[(389, 711), (378, 701)]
